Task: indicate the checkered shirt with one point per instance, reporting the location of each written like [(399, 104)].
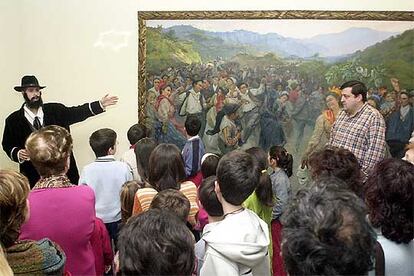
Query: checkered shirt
[(363, 134)]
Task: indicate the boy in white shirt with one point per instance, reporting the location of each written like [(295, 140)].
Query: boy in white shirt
[(106, 176)]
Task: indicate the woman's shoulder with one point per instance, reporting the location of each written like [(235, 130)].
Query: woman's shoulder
[(32, 257)]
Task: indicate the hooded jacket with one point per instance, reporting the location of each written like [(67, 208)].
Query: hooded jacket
[(238, 245)]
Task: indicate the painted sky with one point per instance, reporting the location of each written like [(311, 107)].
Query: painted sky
[(294, 28)]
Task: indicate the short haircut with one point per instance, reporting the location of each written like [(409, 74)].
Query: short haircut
[(338, 162), (208, 197), (209, 165), (14, 190), (143, 150), (389, 196), (283, 158), (358, 88), (49, 149), (156, 243), (127, 196), (238, 176), (192, 125), (174, 201), (166, 167), (325, 232), (102, 140), (136, 133), (195, 81)]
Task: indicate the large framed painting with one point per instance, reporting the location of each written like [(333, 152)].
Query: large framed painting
[(263, 78)]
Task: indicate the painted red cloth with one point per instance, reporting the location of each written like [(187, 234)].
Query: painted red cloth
[(101, 246), (277, 262)]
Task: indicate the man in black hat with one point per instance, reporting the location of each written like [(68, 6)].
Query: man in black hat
[(34, 114)]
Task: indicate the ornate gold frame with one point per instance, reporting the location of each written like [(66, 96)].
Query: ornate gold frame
[(293, 14)]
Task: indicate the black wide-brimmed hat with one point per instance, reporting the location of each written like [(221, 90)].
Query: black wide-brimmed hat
[(28, 81)]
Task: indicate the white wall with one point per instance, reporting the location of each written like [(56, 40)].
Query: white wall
[(54, 40)]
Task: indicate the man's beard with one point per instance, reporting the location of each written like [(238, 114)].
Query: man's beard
[(35, 102)]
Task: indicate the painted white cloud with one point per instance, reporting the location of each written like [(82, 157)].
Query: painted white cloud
[(114, 40)]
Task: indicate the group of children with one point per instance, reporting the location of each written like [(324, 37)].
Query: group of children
[(246, 191)]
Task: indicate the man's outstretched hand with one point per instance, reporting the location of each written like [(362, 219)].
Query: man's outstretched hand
[(108, 100)]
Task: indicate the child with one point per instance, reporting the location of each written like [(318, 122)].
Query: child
[(238, 245), (102, 250), (106, 176), (262, 199), (193, 149), (212, 206), (209, 163), (127, 195), (134, 134), (280, 170), (173, 201)]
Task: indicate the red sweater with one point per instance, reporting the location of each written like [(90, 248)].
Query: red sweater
[(101, 246)]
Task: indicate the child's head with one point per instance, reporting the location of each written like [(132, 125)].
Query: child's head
[(143, 150), (156, 243), (127, 195), (208, 197), (264, 187), (279, 157), (209, 163), (136, 133), (166, 167), (103, 142), (237, 177), (192, 125), (173, 201)]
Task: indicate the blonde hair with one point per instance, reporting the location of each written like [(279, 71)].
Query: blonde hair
[(14, 190), (49, 149), (127, 195), (4, 265)]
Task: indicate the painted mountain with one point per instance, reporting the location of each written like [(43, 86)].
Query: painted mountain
[(228, 44)]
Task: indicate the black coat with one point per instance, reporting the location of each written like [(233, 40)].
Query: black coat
[(17, 129)]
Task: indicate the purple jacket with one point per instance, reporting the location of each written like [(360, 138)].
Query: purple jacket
[(67, 217)]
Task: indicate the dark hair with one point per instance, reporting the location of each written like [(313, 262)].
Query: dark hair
[(338, 162), (102, 140), (143, 150), (166, 167), (156, 243), (389, 196), (195, 81), (136, 133), (237, 176), (264, 188), (173, 201), (325, 232), (243, 83), (208, 197), (127, 195), (358, 88), (283, 158), (209, 165), (192, 125)]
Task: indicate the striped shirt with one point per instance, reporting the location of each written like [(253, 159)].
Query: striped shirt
[(363, 134), (143, 198)]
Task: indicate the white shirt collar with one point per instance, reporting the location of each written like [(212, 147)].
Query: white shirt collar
[(30, 116), (193, 138)]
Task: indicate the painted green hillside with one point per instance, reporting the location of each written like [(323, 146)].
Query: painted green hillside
[(164, 50), (396, 55)]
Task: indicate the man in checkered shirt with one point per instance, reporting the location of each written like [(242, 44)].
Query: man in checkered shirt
[(359, 127)]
